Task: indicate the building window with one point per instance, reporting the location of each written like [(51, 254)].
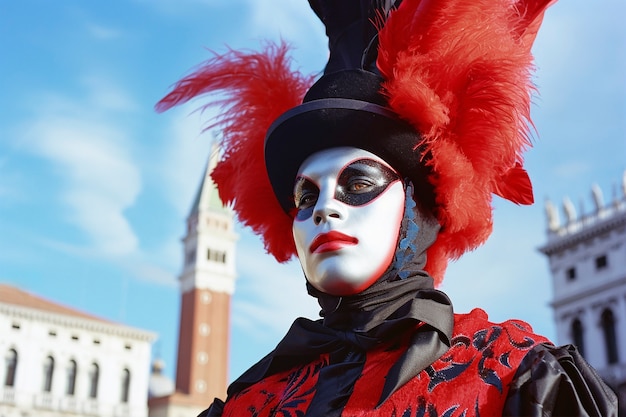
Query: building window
[(610, 337), (577, 336), (48, 372), (94, 374), (570, 274), (601, 262), (71, 378), (125, 385), (10, 361)]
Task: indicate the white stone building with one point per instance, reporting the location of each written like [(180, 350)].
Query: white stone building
[(587, 257), (57, 361)]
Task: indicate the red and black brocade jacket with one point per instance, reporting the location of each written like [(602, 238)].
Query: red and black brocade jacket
[(490, 370)]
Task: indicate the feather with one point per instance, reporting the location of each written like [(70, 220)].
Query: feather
[(256, 88), (515, 186), (461, 73)]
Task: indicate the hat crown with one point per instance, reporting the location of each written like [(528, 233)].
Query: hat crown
[(351, 28), (355, 84)]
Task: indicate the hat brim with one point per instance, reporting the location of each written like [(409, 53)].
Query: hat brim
[(331, 123)]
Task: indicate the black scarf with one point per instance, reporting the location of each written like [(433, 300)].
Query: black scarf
[(386, 311)]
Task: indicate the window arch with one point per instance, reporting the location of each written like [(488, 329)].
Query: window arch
[(48, 373), (125, 385), (94, 375), (10, 365), (72, 369), (610, 336), (578, 336)]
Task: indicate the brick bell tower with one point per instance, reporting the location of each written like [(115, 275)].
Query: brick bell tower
[(207, 283)]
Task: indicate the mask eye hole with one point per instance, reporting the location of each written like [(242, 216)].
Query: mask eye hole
[(305, 197), (306, 200), (359, 184)]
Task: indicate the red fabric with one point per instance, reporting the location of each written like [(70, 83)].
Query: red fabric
[(471, 378), (290, 391)]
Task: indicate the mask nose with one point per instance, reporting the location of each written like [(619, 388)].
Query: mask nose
[(327, 208)]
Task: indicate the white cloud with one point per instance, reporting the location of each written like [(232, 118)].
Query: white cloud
[(571, 169), (105, 96), (293, 20), (146, 270), (184, 155), (91, 150), (7, 182), (93, 157), (101, 32)]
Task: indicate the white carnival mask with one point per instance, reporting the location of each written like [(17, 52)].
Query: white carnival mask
[(350, 206)]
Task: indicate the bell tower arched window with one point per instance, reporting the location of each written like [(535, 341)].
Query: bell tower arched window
[(610, 336)]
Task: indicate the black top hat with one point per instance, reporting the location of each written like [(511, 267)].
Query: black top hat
[(345, 107)]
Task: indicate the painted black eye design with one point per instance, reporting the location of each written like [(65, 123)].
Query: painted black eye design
[(358, 183), (362, 181)]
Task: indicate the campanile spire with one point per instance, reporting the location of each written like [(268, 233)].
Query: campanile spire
[(207, 282)]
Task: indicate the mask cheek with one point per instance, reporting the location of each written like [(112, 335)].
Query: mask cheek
[(300, 232), (383, 234), (297, 233)]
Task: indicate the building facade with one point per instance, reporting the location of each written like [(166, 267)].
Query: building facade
[(587, 258), (58, 361), (207, 283)]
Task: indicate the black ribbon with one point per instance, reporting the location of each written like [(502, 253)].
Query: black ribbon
[(403, 301), (383, 313)]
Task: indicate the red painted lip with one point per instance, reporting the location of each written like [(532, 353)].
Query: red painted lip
[(331, 241)]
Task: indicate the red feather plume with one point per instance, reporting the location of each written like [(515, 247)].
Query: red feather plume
[(257, 88), (461, 72)]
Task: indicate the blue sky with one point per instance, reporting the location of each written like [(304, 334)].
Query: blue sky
[(95, 186)]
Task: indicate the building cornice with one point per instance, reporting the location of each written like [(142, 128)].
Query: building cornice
[(94, 325), (558, 243)]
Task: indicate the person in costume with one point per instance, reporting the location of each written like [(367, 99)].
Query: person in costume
[(374, 177)]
